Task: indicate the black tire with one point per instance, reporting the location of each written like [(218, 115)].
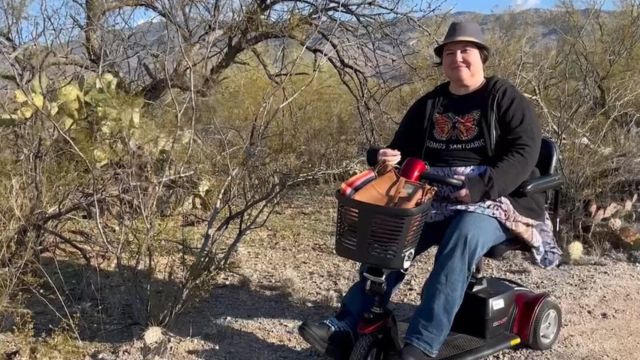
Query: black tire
[(546, 326), (368, 347)]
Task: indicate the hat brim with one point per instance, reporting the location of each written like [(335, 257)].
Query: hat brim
[(440, 48)]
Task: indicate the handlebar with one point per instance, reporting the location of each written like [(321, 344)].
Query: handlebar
[(443, 180)]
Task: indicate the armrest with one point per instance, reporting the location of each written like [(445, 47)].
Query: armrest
[(542, 183)]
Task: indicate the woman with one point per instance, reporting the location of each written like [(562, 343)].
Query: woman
[(481, 130)]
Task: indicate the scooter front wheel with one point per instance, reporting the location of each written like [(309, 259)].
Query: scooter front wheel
[(369, 347)]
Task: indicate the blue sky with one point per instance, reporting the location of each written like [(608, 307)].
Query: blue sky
[(488, 6)]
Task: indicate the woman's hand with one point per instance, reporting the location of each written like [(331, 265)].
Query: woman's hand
[(389, 156), (463, 194)]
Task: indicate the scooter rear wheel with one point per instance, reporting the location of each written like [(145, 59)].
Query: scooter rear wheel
[(546, 326), (368, 347)]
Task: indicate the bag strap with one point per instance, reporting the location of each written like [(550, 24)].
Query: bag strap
[(399, 187)]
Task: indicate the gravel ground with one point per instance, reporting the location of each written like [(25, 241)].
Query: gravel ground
[(289, 273)]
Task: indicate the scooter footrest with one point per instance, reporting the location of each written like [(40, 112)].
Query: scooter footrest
[(464, 347), (459, 343)]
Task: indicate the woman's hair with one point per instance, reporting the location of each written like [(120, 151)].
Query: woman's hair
[(484, 56)]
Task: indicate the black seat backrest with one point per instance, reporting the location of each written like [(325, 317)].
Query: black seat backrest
[(548, 158)]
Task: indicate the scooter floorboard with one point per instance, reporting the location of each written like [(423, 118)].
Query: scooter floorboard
[(465, 347)]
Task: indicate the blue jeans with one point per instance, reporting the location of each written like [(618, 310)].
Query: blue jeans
[(463, 239)]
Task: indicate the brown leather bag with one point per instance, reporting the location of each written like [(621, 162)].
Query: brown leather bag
[(391, 189)]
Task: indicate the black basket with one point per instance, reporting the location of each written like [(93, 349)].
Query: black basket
[(378, 235)]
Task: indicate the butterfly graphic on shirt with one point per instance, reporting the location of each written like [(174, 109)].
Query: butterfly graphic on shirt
[(450, 126)]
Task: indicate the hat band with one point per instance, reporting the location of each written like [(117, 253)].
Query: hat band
[(463, 38)]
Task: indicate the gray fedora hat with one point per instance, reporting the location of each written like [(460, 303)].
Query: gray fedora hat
[(462, 31)]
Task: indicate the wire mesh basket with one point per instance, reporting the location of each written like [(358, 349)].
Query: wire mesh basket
[(378, 235)]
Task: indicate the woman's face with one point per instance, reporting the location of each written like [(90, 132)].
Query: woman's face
[(462, 63)]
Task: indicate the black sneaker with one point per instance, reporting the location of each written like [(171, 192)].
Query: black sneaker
[(330, 337)]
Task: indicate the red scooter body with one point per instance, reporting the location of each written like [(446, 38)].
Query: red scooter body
[(527, 305)]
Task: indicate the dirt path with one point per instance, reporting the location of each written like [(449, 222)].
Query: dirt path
[(288, 272), (299, 277)]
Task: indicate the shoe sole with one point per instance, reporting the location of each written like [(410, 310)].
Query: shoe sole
[(317, 343)]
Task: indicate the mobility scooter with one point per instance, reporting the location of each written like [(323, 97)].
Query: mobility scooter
[(495, 314)]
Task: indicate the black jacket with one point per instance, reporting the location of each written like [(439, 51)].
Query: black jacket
[(512, 134)]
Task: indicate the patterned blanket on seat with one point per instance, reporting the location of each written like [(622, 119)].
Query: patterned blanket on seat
[(537, 234)]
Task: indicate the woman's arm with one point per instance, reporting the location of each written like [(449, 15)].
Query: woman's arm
[(517, 149)]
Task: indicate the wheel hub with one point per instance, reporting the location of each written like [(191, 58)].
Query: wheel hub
[(549, 326)]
